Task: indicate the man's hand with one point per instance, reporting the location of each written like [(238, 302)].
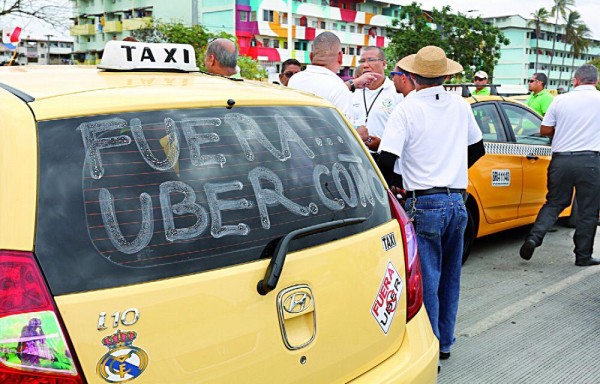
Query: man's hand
[(363, 133), (366, 79)]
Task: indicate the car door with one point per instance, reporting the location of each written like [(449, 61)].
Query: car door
[(496, 177), (535, 153)]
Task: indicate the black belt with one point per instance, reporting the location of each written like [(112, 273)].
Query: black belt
[(577, 153), (434, 191)]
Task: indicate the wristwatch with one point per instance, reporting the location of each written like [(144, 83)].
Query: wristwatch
[(352, 86)]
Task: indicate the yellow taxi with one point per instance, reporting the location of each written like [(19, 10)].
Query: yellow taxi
[(507, 186), (159, 225)]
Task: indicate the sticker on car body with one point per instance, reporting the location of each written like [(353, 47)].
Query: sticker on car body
[(500, 177), (386, 302), (123, 362), (388, 241)]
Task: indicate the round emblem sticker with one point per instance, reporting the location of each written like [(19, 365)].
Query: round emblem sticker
[(123, 362)]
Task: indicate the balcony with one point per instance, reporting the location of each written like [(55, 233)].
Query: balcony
[(137, 23), (113, 26), (83, 29)]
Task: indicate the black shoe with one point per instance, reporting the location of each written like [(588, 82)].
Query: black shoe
[(527, 249), (587, 262), (444, 355)]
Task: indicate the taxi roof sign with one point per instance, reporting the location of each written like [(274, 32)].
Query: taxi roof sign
[(136, 56)]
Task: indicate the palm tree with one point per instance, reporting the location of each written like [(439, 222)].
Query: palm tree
[(572, 22), (540, 16), (582, 40), (560, 8)]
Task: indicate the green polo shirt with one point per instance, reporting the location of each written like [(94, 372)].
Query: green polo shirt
[(484, 92), (540, 102)]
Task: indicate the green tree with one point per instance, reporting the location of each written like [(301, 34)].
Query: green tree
[(538, 18), (572, 22), (581, 43), (595, 62), (470, 41), (560, 8), (199, 38)]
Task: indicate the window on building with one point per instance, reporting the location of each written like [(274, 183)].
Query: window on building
[(275, 43), (342, 27), (531, 65), (313, 23), (334, 26), (300, 45), (243, 16), (352, 28), (351, 50), (323, 25), (253, 16), (283, 18), (266, 43), (344, 50), (268, 15)]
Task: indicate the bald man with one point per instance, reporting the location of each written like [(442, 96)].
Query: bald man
[(321, 76), (221, 58)]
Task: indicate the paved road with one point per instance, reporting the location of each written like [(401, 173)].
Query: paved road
[(526, 322)]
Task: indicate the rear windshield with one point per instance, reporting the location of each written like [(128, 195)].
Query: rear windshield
[(133, 197)]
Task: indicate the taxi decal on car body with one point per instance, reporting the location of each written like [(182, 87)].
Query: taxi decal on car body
[(501, 177), (516, 149)]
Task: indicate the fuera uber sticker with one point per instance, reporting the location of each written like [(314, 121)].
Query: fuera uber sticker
[(386, 302)]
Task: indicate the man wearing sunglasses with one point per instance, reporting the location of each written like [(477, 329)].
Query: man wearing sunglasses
[(403, 81), (288, 69), (480, 80), (539, 99), (373, 104)]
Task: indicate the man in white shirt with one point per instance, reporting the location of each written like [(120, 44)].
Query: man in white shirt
[(573, 121), (435, 137), (373, 104), (321, 77)]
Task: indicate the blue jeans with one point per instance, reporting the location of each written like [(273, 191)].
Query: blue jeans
[(440, 221)]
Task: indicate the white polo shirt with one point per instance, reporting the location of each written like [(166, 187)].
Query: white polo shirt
[(379, 103), (575, 117), (323, 82), (429, 132)]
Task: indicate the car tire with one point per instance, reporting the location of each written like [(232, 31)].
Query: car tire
[(469, 236)]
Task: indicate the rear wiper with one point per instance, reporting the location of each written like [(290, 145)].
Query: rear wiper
[(269, 283)]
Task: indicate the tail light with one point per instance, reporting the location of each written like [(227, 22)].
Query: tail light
[(414, 283), (33, 346)]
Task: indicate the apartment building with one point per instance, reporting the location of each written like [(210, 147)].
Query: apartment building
[(269, 31), (40, 50), (518, 59)]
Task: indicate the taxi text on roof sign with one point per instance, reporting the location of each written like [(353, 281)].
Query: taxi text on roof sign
[(131, 56)]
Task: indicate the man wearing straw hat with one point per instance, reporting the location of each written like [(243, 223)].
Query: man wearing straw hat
[(435, 137)]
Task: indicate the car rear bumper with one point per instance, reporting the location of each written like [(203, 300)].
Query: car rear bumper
[(415, 362)]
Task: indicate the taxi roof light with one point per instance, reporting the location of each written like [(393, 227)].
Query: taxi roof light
[(137, 56)]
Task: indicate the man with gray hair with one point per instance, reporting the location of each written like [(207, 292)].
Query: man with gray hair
[(321, 77), (573, 121), (221, 58)]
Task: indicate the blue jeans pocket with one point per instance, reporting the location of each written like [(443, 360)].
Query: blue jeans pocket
[(429, 222)]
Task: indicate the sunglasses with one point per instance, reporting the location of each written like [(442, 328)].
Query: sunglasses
[(396, 73), (289, 74), (478, 79), (532, 80), (369, 60)]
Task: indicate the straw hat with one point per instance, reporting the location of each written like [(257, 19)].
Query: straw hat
[(429, 62)]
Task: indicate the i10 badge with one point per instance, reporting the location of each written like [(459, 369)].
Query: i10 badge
[(386, 302)]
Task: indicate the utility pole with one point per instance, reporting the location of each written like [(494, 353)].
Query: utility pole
[(48, 50)]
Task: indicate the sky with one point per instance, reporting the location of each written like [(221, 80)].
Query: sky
[(589, 9)]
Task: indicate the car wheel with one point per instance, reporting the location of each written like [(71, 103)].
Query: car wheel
[(572, 220), (469, 236)]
